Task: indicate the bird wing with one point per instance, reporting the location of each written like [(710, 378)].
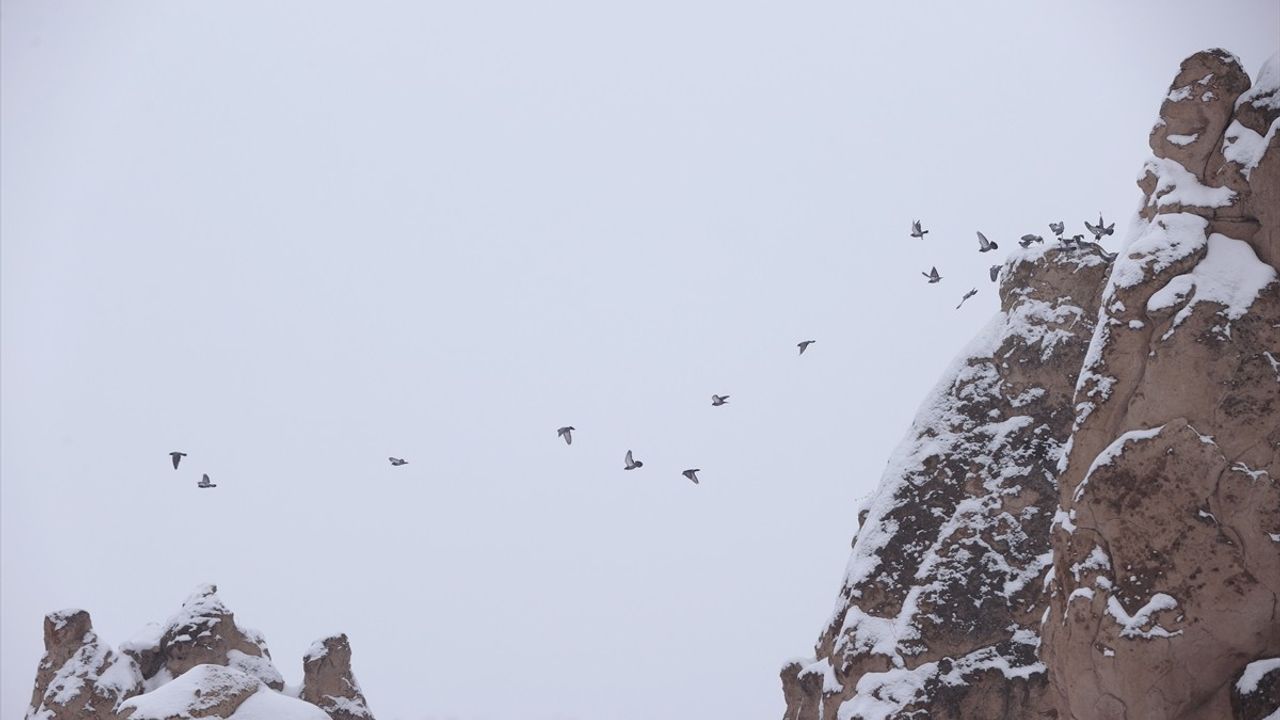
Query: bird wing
[(568, 436), (995, 272), (982, 240), (1091, 228), (630, 460)]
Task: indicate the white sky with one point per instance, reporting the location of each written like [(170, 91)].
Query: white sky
[(294, 238)]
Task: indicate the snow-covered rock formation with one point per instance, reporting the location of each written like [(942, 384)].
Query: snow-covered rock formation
[(198, 664), (1084, 519)]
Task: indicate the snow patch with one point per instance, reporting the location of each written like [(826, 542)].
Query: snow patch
[(1253, 674), (1230, 275), (1131, 625)]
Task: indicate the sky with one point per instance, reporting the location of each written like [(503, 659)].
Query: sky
[(293, 239)]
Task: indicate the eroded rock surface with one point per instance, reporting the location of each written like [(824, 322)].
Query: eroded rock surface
[(80, 677), (328, 682)]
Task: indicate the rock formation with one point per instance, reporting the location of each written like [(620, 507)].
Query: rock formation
[(198, 664), (1084, 519)]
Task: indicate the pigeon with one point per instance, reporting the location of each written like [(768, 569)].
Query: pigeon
[(967, 295), (1058, 227), (985, 245), (1073, 240), (1100, 229), (566, 432), (718, 400), (1028, 239), (692, 474), (994, 272), (632, 464), (204, 482), (916, 232), (397, 462), (932, 275), (804, 345), (1109, 257), (177, 458)]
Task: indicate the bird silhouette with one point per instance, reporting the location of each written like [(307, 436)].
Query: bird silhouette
[(916, 232), (566, 432), (1100, 229), (967, 295), (932, 275), (177, 458), (718, 400), (1058, 227), (985, 245), (804, 345), (994, 272), (1029, 238), (692, 474), (632, 463), (397, 462), (204, 482)]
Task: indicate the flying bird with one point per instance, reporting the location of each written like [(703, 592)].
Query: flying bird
[(397, 462), (985, 245), (1028, 239), (916, 232), (566, 432), (1100, 229), (718, 400), (1058, 227), (932, 275), (692, 474), (967, 295), (204, 482), (632, 463), (994, 272), (177, 458), (804, 345)]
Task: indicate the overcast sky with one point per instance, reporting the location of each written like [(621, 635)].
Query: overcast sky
[(294, 238)]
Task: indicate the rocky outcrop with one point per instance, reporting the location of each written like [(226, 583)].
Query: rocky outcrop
[(1166, 572), (200, 663), (327, 680), (939, 611), (1084, 520)]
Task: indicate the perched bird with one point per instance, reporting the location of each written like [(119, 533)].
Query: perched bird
[(1073, 240), (1100, 229), (397, 462), (1109, 257), (177, 458), (1058, 227), (985, 245), (994, 272), (1029, 238), (916, 232), (204, 482), (692, 474), (804, 345), (566, 432), (718, 400), (932, 275), (632, 463), (967, 295)]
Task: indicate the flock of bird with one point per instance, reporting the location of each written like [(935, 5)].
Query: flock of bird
[(984, 245), (1098, 231)]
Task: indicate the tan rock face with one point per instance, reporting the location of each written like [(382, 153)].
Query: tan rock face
[(940, 610), (328, 683), (1166, 569), (79, 677), (204, 631)]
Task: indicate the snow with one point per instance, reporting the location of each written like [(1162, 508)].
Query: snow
[(1253, 674), (206, 686), (1175, 185), (1245, 147), (148, 638), (1132, 624), (822, 668), (1182, 139), (1265, 91), (1097, 560), (268, 705), (1110, 453), (1230, 274)]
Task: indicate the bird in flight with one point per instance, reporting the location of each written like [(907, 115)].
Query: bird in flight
[(803, 345), (397, 462), (718, 400), (177, 458), (632, 463), (204, 482), (995, 272), (985, 245), (916, 232), (1029, 238), (566, 432), (932, 275), (967, 295), (1100, 229), (692, 474), (1058, 227)]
